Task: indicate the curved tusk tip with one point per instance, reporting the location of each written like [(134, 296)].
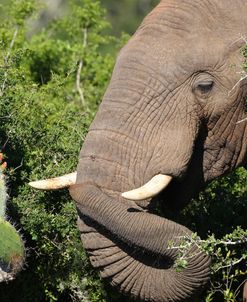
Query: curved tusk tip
[(35, 184), (42, 185), (152, 188), (56, 183)]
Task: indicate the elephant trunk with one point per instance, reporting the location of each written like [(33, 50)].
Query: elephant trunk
[(137, 247), (131, 225), (136, 135)]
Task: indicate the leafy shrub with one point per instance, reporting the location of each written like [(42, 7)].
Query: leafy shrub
[(50, 85)]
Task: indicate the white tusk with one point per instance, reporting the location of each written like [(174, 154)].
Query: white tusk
[(150, 189), (56, 183)]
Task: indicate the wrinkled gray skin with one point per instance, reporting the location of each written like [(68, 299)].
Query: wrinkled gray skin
[(172, 107)]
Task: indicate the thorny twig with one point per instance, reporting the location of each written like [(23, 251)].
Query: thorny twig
[(189, 241), (243, 38), (230, 265), (200, 241), (241, 121), (6, 60), (80, 66), (18, 167), (239, 81)]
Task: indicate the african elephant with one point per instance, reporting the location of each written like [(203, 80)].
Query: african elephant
[(172, 119)]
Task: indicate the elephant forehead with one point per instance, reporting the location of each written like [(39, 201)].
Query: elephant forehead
[(218, 15), (181, 37), (176, 60), (174, 19)]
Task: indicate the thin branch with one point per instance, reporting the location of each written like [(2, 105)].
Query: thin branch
[(239, 81), (18, 167), (231, 264), (78, 83), (84, 37), (241, 121), (6, 60), (80, 66), (11, 46)]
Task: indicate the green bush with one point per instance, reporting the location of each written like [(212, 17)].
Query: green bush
[(51, 82)]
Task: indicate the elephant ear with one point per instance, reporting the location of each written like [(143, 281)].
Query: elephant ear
[(138, 274)]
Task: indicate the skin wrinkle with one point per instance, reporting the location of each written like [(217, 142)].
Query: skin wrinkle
[(130, 147), (124, 179), (172, 89), (120, 170), (133, 61), (155, 88), (148, 110), (242, 151), (148, 69), (232, 139), (137, 169), (136, 287), (215, 162), (127, 283), (135, 118), (175, 109), (164, 84), (123, 264), (130, 278), (124, 274), (184, 16)]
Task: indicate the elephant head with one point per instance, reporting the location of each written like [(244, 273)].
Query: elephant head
[(174, 112)]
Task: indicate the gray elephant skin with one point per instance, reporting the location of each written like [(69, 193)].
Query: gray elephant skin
[(245, 292), (173, 107)]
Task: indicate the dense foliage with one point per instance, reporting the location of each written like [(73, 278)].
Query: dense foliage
[(51, 82)]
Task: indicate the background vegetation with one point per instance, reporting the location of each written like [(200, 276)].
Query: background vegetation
[(55, 65)]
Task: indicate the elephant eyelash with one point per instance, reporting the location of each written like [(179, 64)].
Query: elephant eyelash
[(202, 89), (205, 87)]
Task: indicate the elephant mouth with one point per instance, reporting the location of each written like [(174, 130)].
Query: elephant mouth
[(174, 197), (174, 193), (132, 248), (177, 191)]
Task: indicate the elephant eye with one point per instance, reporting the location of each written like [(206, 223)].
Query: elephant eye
[(203, 88)]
